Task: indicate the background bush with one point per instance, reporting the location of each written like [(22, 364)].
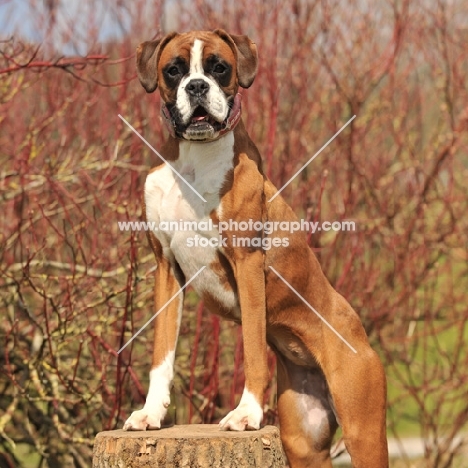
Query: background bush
[(74, 288)]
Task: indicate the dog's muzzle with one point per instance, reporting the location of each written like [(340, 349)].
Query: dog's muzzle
[(202, 124)]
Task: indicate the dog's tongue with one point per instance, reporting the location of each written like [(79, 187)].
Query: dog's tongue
[(199, 115)]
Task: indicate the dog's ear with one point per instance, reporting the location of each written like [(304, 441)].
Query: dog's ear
[(246, 55), (147, 58)]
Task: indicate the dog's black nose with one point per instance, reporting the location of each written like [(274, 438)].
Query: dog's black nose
[(197, 87)]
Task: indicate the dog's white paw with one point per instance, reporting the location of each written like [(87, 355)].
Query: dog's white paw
[(157, 401), (247, 416), (144, 419)]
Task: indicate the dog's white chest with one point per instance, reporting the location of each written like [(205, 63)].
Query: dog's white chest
[(189, 240)]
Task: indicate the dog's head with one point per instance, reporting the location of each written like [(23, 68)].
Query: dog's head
[(198, 75)]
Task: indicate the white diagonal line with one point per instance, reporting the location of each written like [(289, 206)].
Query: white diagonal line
[(156, 152), (312, 158), (313, 310), (161, 309)]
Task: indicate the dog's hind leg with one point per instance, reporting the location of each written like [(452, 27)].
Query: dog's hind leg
[(307, 420), (358, 389)]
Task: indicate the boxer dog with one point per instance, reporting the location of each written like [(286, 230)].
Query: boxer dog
[(271, 283)]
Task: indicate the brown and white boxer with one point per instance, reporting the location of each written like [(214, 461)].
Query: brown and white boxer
[(322, 381)]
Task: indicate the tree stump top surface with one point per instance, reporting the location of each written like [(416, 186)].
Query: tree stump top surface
[(190, 431)]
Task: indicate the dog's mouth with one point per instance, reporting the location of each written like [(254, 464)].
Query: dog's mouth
[(201, 116), (201, 125)]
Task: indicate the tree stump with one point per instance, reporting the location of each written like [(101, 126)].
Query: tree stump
[(190, 446)]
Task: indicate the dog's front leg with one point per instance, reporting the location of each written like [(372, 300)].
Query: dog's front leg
[(166, 330), (251, 289)]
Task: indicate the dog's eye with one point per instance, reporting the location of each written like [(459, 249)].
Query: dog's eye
[(173, 71), (219, 68)]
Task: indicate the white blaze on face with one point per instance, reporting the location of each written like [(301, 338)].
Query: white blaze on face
[(214, 101), (196, 58)]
